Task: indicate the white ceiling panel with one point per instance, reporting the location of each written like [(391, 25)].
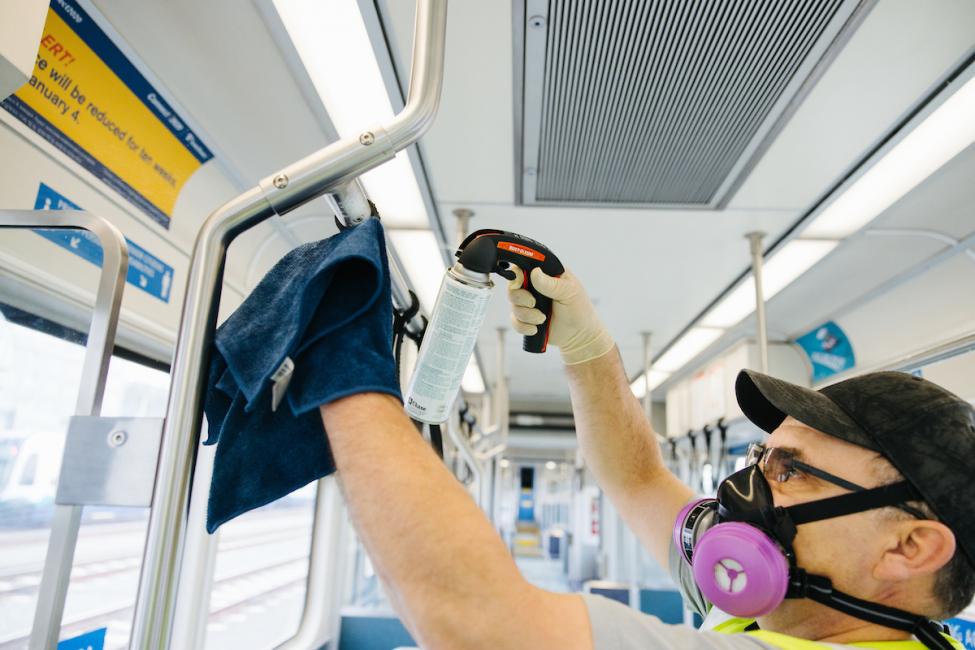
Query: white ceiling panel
[(469, 150), (218, 60), (841, 280), (643, 269), (856, 282), (646, 270), (935, 307), (898, 240), (944, 203), (899, 51)]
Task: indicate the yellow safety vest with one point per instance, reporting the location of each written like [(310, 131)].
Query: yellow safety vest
[(786, 642)]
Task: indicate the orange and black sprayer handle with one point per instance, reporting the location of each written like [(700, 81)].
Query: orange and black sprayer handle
[(491, 251)]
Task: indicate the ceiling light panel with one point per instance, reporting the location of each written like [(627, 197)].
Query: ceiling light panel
[(941, 136), (778, 272), (333, 45), (639, 386), (393, 188), (423, 262), (688, 346)]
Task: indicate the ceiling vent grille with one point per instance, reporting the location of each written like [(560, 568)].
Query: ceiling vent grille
[(661, 103)]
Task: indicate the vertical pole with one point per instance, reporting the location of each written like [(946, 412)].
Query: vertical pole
[(463, 223), (634, 543), (501, 392), (755, 243), (66, 521), (647, 362)]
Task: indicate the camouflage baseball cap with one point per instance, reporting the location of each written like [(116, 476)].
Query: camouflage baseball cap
[(926, 432)]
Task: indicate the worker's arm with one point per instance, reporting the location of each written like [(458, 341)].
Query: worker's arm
[(615, 436), (451, 575), (622, 451)]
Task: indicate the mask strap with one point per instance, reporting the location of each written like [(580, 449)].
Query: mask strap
[(848, 504), (820, 589)]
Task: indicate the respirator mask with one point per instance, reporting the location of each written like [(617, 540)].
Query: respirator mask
[(739, 544)]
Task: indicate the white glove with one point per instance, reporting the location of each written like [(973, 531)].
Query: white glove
[(575, 328)]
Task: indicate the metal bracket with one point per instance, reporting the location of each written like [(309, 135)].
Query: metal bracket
[(109, 461)]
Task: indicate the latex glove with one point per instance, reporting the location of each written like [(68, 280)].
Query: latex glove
[(575, 328)]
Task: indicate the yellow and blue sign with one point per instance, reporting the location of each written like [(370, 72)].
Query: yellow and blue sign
[(87, 99), (146, 271), (829, 350)]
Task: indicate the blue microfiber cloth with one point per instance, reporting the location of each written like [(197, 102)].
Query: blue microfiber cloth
[(325, 311)]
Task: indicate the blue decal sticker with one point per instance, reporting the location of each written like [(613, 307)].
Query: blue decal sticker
[(828, 349), (963, 630), (146, 271), (88, 641)]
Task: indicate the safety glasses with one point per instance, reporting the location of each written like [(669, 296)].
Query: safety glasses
[(779, 465)]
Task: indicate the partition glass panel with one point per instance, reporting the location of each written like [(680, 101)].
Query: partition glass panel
[(40, 368), (260, 575)]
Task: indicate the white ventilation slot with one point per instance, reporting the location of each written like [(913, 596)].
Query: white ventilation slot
[(661, 103)]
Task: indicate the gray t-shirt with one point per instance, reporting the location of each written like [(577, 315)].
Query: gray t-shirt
[(618, 627)]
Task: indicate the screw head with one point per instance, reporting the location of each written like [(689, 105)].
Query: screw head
[(280, 181), (536, 22), (530, 172), (367, 138), (117, 438)]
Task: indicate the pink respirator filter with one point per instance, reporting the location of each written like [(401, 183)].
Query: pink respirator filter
[(740, 569)]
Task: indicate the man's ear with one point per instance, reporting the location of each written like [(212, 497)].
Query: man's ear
[(917, 547)]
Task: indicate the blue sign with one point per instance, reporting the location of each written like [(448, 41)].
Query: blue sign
[(963, 630), (828, 349), (146, 271), (87, 641)]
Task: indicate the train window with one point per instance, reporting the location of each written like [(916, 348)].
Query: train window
[(30, 471), (39, 376), (259, 579), (111, 541), (40, 369)]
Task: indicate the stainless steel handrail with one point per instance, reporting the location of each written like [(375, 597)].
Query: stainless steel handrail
[(279, 193), (98, 352)]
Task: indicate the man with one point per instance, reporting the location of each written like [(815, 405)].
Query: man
[(455, 585)]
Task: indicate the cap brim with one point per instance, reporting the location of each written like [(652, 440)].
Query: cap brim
[(766, 401)]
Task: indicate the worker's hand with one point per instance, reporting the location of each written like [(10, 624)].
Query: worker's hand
[(575, 328)]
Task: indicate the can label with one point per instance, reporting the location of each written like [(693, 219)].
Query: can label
[(446, 350)]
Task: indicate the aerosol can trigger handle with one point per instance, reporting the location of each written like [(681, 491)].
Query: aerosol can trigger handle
[(491, 251)]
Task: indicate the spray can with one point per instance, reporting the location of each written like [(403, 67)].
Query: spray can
[(459, 313), (448, 343)]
